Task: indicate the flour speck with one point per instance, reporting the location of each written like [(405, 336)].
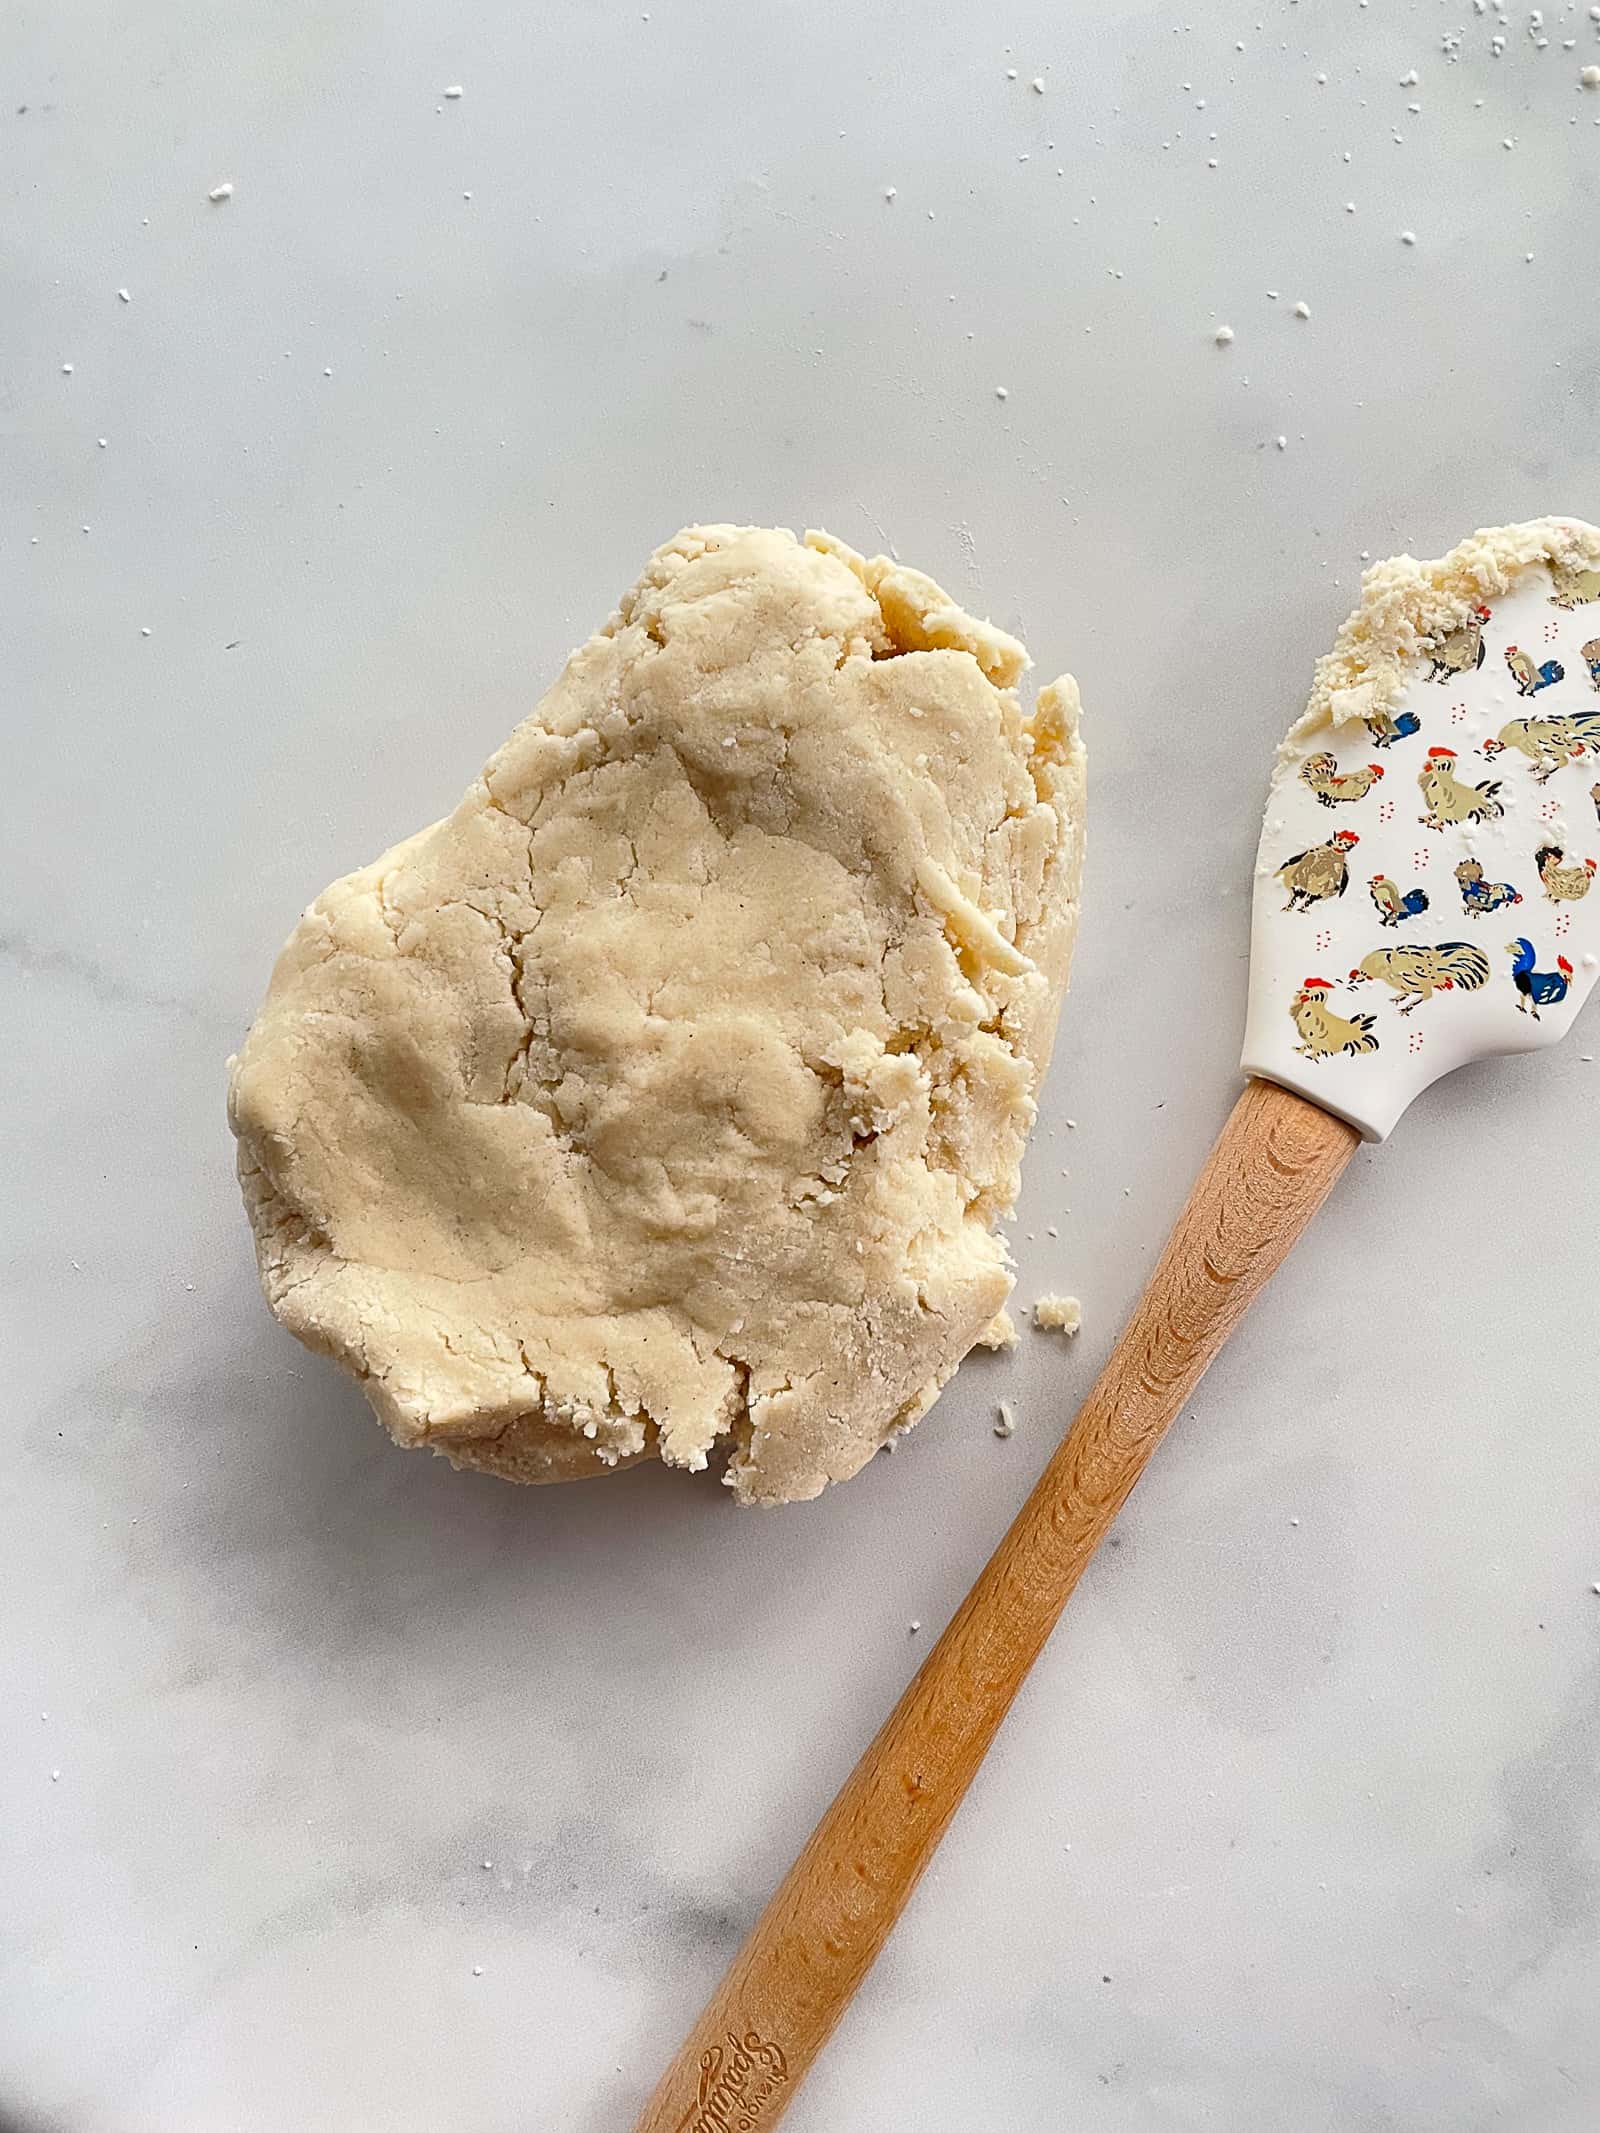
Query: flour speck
[(219, 193)]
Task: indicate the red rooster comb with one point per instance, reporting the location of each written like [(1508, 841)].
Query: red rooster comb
[(1446, 754), (1376, 769), (1563, 966), (1317, 985), (1346, 838)]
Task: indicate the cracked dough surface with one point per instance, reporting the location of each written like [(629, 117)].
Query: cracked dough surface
[(662, 1098)]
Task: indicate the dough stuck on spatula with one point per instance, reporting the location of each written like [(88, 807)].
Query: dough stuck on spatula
[(663, 1098)]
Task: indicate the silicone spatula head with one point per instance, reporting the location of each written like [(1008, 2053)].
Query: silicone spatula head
[(1425, 891)]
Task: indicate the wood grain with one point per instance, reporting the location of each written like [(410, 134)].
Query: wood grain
[(1274, 1163)]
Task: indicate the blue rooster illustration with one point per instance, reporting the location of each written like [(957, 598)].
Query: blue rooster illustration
[(1392, 905), (1479, 896), (1529, 678), (1386, 731), (1537, 988)]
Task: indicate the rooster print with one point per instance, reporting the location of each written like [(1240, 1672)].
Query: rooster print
[(1537, 988), (1392, 893), (1562, 884), (1312, 876), (1530, 679), (1416, 974), (1575, 588), (1390, 905), (1323, 1034), (1386, 730), (1548, 743), (1322, 774), (1480, 897), (1461, 652), (1449, 800)]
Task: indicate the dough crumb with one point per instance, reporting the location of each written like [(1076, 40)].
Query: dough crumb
[(1005, 1421), (1000, 1332), (220, 192), (1057, 1314)]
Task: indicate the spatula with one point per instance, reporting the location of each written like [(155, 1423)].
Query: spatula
[(1422, 899)]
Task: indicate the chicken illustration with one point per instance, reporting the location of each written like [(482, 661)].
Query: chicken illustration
[(1575, 588), (1537, 988), (1548, 743), (1563, 885), (1323, 871), (1448, 799), (1416, 974), (1479, 897), (1529, 678), (1461, 652), (1594, 795), (1323, 1034), (1386, 731), (1590, 654), (1322, 774), (1392, 907)]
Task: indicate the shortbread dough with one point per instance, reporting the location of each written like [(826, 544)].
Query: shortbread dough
[(663, 1098)]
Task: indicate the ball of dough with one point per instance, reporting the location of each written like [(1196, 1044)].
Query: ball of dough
[(662, 1099)]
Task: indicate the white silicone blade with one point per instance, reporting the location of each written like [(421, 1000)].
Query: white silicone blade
[(1423, 888)]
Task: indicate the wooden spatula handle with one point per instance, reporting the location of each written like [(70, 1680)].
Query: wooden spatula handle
[(1274, 1163)]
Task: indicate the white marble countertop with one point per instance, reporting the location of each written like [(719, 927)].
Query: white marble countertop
[(339, 1791)]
